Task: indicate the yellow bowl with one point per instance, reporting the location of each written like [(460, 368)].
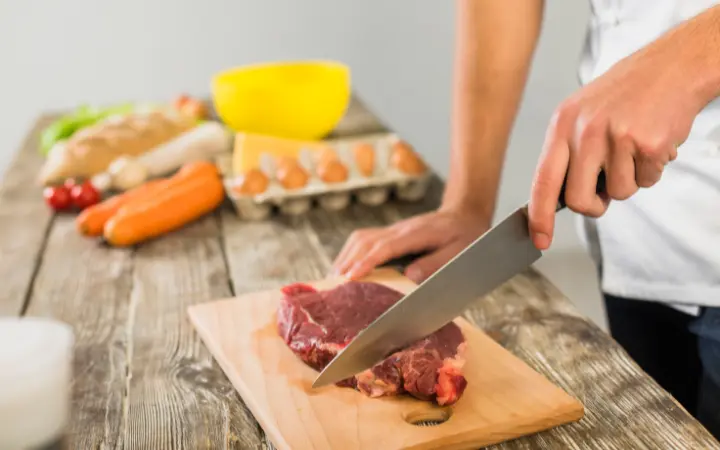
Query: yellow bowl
[(294, 99)]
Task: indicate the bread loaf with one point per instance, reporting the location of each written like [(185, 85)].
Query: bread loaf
[(91, 150)]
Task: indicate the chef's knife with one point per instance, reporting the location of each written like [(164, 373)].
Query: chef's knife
[(499, 254)]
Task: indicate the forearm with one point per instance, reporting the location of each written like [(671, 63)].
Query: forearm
[(694, 46), (494, 45)]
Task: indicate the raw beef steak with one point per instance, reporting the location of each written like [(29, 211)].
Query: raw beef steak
[(316, 325)]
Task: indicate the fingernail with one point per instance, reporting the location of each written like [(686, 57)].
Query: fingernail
[(542, 240), (352, 273), (414, 273)]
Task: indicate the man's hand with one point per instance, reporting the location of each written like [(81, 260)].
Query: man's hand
[(444, 233), (628, 122)]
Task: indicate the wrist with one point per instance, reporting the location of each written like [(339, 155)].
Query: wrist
[(473, 181), (702, 78), (467, 204), (699, 60), (707, 87)]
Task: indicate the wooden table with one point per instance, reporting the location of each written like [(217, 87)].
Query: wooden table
[(144, 380)]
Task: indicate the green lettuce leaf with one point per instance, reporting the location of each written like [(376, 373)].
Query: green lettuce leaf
[(83, 116)]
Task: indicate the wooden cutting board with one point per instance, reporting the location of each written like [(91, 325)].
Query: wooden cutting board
[(504, 399)]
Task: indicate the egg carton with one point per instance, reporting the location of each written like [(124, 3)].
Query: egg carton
[(372, 190)]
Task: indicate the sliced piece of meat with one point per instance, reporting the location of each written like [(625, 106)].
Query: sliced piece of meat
[(316, 325)]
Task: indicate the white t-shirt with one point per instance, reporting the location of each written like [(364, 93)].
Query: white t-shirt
[(663, 243)]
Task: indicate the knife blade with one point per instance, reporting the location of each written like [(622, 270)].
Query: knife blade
[(492, 259)]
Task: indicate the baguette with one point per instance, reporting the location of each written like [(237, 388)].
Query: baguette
[(91, 150)]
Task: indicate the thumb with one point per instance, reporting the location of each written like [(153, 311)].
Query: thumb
[(421, 269)]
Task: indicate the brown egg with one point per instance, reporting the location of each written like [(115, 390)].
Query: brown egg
[(325, 155), (291, 174), (406, 160), (332, 171), (365, 158), (285, 161), (253, 182)]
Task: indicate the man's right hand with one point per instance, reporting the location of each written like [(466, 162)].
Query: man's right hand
[(442, 234)]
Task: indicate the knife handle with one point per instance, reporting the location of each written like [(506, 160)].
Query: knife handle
[(400, 263), (599, 189)]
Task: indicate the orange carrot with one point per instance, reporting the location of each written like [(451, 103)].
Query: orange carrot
[(91, 220), (195, 168), (189, 171), (170, 209)]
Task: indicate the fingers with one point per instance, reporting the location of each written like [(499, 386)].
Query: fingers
[(354, 245), (391, 245), (648, 172), (421, 269), (650, 161), (621, 170), (546, 187), (367, 249), (588, 154), (375, 253)]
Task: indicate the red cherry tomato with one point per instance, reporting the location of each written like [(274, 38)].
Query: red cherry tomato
[(69, 183), (84, 195), (180, 100), (57, 197)]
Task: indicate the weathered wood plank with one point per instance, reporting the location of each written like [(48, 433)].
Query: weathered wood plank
[(178, 397), (625, 408), (24, 222), (87, 286), (263, 255)]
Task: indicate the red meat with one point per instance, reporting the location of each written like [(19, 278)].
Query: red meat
[(316, 325)]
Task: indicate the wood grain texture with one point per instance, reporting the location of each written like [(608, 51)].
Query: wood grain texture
[(504, 399), (177, 396), (624, 407), (24, 222), (264, 255), (88, 286)]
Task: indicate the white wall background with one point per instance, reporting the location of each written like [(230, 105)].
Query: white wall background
[(57, 54)]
